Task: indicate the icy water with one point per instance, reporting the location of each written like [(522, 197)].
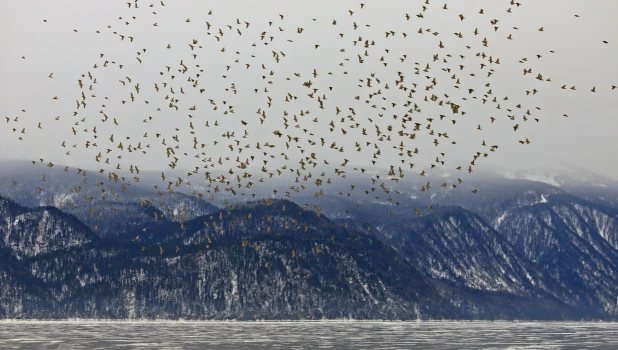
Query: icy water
[(306, 335)]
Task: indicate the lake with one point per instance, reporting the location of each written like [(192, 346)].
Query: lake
[(93, 335)]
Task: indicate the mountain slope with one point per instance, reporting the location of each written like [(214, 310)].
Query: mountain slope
[(571, 251), (21, 294), (31, 231), (452, 244)]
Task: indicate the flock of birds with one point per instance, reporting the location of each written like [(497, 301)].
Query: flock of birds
[(397, 117)]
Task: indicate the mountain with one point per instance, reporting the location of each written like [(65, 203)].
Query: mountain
[(387, 249), (32, 231), (572, 240), (577, 181), (94, 199), (568, 240), (452, 244), (285, 275)]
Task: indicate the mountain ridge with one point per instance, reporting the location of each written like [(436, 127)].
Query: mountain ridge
[(517, 249)]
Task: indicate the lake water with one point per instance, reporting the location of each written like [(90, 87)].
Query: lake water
[(306, 335)]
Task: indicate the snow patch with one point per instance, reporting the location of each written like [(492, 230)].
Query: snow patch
[(500, 219), (531, 176)]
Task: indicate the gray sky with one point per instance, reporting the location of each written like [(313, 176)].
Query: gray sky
[(587, 137)]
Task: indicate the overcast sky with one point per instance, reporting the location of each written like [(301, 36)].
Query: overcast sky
[(581, 59)]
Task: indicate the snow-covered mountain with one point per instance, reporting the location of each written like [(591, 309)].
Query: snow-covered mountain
[(33, 231), (398, 253), (580, 182), (289, 273), (114, 208)]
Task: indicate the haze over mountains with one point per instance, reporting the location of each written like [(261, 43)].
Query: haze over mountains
[(529, 245)]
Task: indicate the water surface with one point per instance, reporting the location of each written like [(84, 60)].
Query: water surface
[(355, 335)]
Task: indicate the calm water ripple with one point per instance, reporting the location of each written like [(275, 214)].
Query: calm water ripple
[(93, 335)]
